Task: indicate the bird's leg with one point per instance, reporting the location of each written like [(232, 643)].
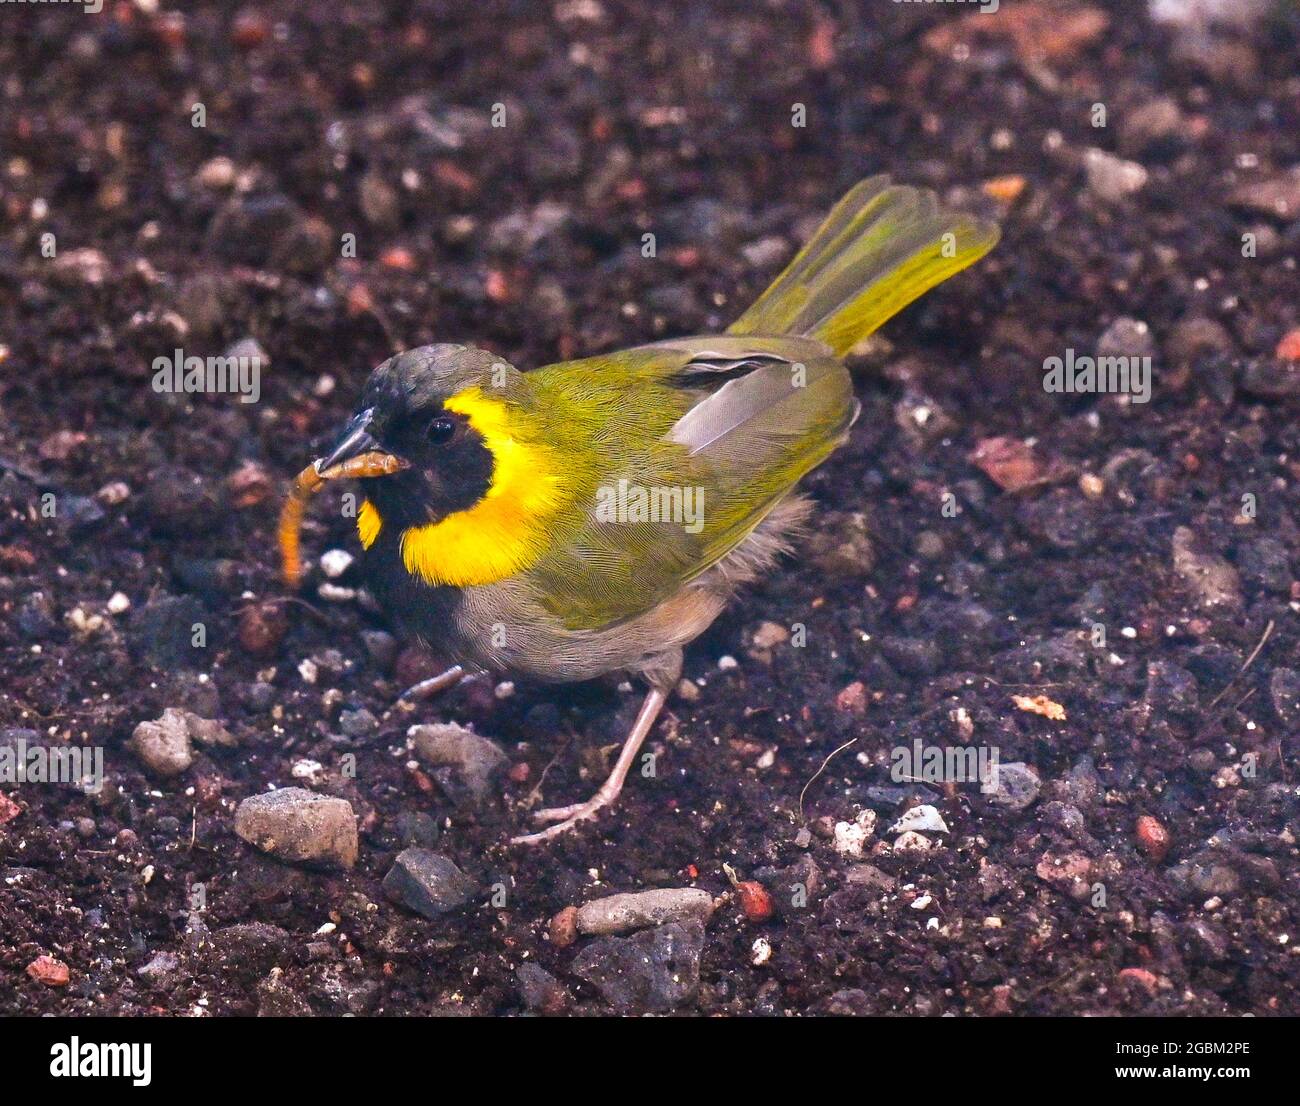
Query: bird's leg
[(427, 689), (566, 817)]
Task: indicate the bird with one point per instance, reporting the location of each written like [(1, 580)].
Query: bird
[(596, 515)]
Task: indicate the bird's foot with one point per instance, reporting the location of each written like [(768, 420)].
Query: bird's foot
[(566, 817)]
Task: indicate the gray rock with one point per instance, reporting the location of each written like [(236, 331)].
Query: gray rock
[(1081, 785), (1213, 581), (1015, 785), (415, 827), (428, 883), (164, 745), (1126, 337), (162, 631), (1265, 564), (654, 971), (357, 723), (541, 991), (641, 909), (298, 825), (464, 764)]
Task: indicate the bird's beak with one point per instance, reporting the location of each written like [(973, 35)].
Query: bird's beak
[(355, 440)]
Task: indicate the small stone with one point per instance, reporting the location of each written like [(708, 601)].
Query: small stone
[(641, 909), (1212, 580), (770, 634), (335, 562), (1015, 785), (563, 928), (1277, 195), (465, 764), (1126, 337), (920, 819), (164, 745), (851, 837), (687, 691), (428, 883), (300, 826), (357, 723), (654, 971), (49, 971), (9, 810), (853, 698), (755, 902), (1111, 178), (382, 647), (540, 990), (1068, 872), (871, 877), (912, 842), (1009, 462), (162, 632), (1152, 837)]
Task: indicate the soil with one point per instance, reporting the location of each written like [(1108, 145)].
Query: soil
[(982, 542)]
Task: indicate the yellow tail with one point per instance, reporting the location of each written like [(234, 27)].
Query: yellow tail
[(881, 247)]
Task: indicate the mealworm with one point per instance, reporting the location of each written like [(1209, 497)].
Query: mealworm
[(308, 483)]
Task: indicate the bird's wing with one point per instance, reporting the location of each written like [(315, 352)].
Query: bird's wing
[(679, 450)]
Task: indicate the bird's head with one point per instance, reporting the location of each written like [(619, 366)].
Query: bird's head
[(433, 409)]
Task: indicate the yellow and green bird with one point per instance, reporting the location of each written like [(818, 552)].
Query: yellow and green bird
[(596, 516)]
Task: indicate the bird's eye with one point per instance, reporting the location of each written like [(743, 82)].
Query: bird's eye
[(440, 431)]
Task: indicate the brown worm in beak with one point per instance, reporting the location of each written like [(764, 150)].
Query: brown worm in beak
[(308, 483)]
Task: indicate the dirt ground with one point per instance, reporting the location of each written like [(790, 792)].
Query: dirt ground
[(1101, 590)]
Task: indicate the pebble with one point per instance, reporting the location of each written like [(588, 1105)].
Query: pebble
[(428, 883), (760, 952), (465, 764), (162, 631), (770, 634), (300, 826), (9, 810), (1213, 581), (118, 603), (1015, 785), (912, 842), (540, 990), (1277, 195), (357, 723), (262, 627), (335, 562), (641, 909), (1009, 462), (1111, 178), (755, 902), (654, 971), (1126, 337), (164, 745), (851, 837), (920, 819), (563, 928), (1152, 837), (49, 971)]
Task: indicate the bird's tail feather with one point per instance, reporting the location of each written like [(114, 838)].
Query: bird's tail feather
[(881, 247)]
